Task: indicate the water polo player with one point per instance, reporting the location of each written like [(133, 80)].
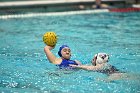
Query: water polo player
[(65, 55), (99, 64)]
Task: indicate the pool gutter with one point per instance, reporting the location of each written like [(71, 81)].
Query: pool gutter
[(52, 2)]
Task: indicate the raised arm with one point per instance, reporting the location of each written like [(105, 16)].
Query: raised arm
[(51, 57)]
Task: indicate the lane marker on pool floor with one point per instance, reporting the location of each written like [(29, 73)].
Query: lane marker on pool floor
[(53, 13)]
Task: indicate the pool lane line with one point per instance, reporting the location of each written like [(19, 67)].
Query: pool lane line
[(53, 13)]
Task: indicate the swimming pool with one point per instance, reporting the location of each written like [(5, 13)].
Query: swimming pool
[(24, 67)]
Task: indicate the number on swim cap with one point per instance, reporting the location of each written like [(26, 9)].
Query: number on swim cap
[(50, 38)]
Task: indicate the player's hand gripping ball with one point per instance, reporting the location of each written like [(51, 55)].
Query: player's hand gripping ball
[(50, 38)]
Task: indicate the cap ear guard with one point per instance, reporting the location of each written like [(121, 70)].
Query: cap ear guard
[(94, 60), (108, 57), (59, 53)]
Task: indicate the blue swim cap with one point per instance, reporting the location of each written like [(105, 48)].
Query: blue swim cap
[(59, 52)]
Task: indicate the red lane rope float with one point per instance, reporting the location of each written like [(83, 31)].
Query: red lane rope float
[(124, 9)]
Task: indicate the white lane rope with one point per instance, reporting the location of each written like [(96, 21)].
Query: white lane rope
[(136, 5), (53, 13)]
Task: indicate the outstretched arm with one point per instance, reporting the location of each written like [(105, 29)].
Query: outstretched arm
[(87, 67), (78, 62), (51, 57)]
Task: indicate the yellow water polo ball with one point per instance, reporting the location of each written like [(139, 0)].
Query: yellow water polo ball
[(50, 38)]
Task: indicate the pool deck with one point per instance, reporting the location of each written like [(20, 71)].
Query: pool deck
[(50, 2), (54, 8)]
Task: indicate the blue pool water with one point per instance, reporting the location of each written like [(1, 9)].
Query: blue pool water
[(24, 67)]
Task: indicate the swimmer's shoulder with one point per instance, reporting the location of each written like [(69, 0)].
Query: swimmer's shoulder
[(57, 61)]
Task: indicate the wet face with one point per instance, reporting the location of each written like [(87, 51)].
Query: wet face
[(66, 53)]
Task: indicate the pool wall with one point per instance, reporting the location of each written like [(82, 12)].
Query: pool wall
[(18, 7)]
